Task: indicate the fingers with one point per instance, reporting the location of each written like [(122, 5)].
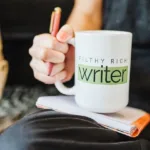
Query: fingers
[(65, 33), (48, 79), (60, 76), (70, 64), (46, 54), (47, 48), (43, 78), (57, 68), (39, 66), (43, 68), (50, 42)]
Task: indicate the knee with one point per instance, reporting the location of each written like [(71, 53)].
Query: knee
[(16, 137), (28, 133)]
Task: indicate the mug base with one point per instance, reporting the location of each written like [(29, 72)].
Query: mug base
[(103, 110)]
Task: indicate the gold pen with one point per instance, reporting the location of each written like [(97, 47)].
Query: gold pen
[(53, 29)]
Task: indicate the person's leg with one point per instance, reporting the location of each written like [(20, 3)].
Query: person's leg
[(48, 130)]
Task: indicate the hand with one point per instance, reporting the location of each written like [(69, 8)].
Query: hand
[(47, 48)]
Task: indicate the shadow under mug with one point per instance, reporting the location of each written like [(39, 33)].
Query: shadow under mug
[(102, 70)]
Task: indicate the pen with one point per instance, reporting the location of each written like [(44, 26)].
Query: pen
[(53, 29)]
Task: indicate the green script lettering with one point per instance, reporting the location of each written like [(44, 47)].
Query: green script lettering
[(103, 74), (115, 76), (85, 72)]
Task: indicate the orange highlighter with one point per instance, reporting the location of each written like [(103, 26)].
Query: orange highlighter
[(54, 28)]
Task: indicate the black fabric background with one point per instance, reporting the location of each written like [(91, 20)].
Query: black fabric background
[(22, 19)]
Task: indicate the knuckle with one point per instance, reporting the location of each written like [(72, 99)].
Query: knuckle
[(43, 54), (41, 37), (66, 48), (58, 57), (63, 58), (46, 35), (35, 38), (29, 51), (63, 65), (53, 43)]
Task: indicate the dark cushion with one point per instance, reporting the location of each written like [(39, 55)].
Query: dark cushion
[(25, 18)]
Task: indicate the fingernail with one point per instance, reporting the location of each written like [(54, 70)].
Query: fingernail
[(63, 36), (65, 33)]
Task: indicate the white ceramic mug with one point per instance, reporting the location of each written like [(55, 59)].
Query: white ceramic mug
[(102, 70)]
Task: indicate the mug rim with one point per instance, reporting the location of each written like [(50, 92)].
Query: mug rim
[(104, 32)]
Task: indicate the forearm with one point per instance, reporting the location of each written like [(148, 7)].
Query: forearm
[(87, 17)]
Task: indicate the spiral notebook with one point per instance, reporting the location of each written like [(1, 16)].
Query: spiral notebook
[(129, 121)]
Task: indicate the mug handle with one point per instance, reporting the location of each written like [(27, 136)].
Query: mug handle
[(60, 86)]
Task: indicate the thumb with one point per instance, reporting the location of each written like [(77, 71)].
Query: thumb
[(65, 33)]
